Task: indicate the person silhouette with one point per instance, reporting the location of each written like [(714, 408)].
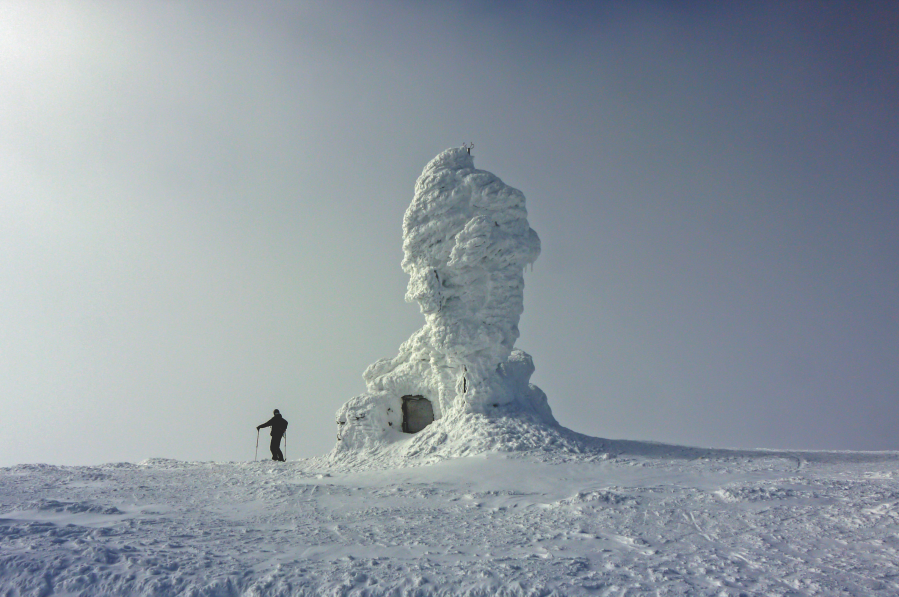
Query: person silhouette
[(279, 427)]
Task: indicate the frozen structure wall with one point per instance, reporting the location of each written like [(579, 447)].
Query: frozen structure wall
[(466, 242)]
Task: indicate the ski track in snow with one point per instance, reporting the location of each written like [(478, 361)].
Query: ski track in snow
[(724, 523)]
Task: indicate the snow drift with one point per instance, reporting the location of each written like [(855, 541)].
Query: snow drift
[(466, 242)]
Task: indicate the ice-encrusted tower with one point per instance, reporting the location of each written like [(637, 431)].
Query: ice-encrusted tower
[(466, 242)]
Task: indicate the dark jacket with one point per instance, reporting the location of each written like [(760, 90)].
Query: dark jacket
[(277, 423)]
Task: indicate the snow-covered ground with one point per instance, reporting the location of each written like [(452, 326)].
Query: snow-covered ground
[(601, 518)]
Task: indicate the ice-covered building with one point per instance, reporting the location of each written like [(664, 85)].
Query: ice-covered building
[(466, 242)]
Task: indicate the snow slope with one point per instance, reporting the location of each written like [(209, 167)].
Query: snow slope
[(577, 516)]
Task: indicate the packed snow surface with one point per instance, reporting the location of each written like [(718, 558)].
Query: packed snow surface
[(592, 518), (466, 242)]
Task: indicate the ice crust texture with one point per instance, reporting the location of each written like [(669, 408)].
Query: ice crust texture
[(466, 242)]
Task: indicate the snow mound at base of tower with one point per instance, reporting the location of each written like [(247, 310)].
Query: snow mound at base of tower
[(522, 434), (463, 434), (370, 421)]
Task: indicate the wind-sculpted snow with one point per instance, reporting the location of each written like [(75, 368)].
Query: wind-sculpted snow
[(673, 521), (466, 242)]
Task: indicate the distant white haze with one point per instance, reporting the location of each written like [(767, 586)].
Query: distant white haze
[(201, 215)]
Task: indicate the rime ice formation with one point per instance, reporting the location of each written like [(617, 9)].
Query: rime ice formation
[(466, 241)]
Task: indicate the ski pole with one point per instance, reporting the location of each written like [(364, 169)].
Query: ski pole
[(256, 457), (285, 445)]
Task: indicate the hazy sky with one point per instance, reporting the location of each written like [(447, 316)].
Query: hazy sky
[(201, 208)]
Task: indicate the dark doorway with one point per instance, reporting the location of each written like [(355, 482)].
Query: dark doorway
[(417, 413)]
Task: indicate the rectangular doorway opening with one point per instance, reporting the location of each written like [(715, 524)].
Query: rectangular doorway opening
[(417, 413)]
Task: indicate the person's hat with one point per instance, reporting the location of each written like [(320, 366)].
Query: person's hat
[(277, 412)]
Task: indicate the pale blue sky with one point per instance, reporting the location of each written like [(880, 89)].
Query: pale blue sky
[(201, 214)]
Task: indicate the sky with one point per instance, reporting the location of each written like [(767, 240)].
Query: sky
[(201, 214)]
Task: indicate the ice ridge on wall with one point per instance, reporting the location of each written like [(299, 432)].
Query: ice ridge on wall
[(466, 242)]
